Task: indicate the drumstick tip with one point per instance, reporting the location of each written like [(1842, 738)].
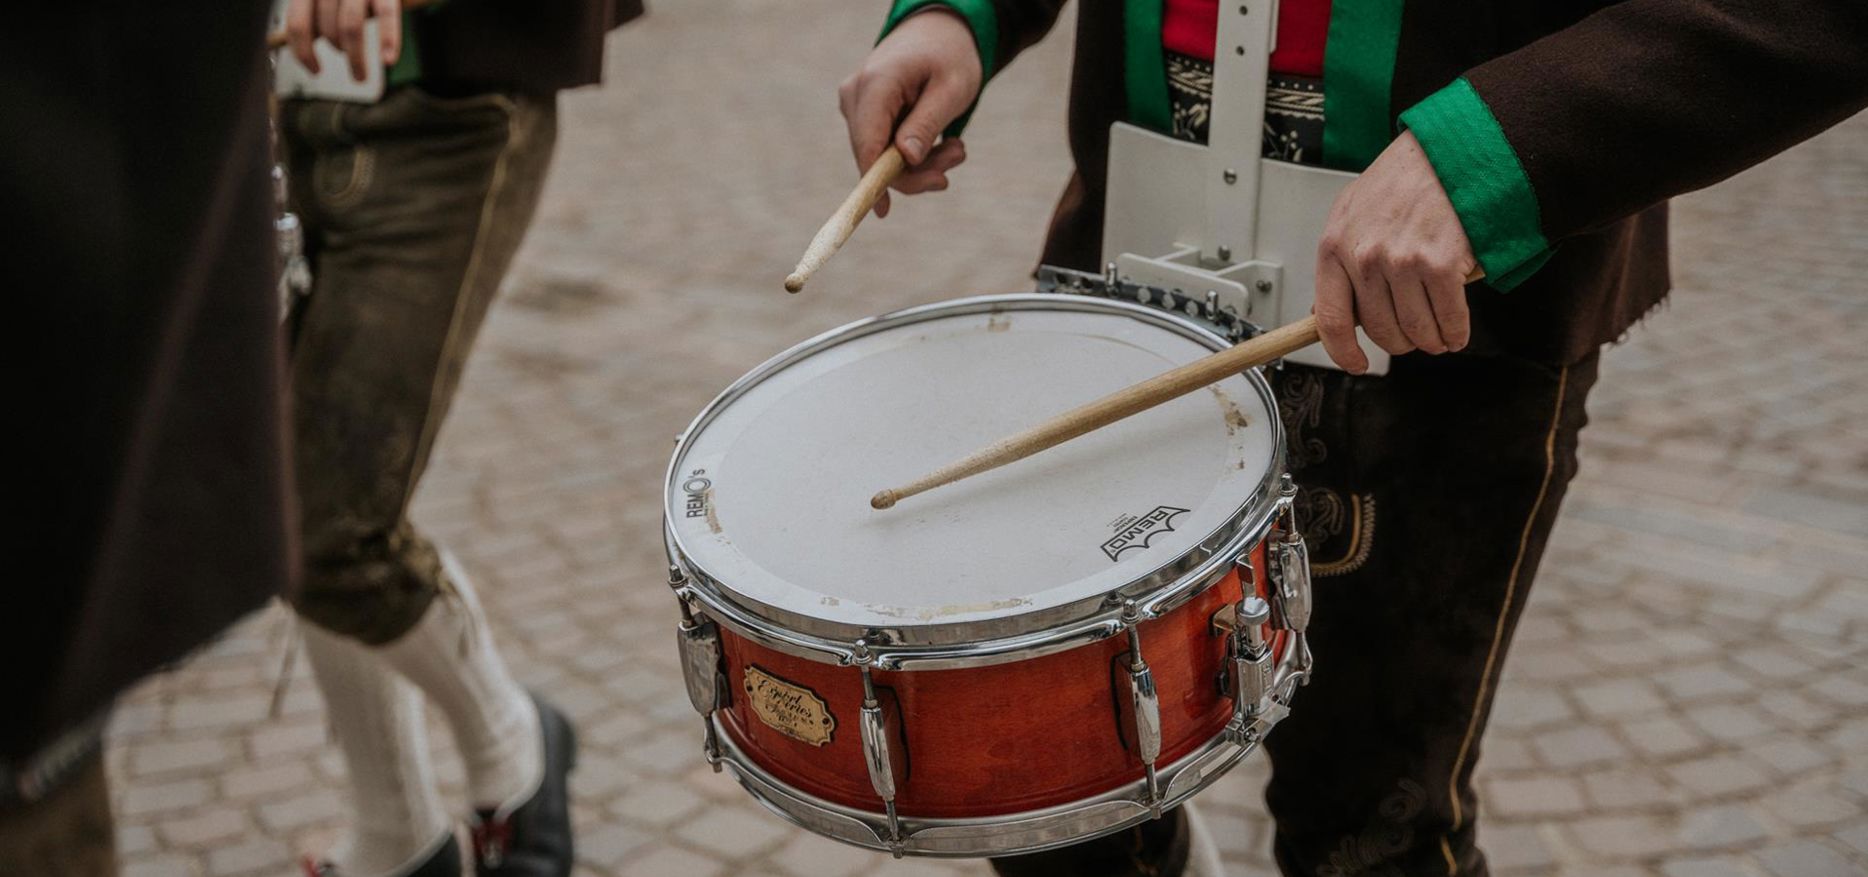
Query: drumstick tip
[(794, 283), (884, 500)]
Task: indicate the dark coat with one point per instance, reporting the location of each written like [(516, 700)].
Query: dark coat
[(534, 46), (150, 509)]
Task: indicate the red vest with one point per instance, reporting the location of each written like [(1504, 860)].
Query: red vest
[(1188, 28)]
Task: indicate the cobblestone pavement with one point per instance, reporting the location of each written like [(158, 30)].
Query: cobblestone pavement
[(1688, 696)]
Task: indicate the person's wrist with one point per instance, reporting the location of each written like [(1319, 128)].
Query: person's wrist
[(940, 10), (955, 33), (943, 26)]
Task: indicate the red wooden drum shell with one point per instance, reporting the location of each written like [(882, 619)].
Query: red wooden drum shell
[(998, 739)]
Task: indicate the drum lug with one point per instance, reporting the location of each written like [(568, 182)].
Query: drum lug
[(1293, 585), (700, 664), (1144, 726), (1251, 658), (1290, 592), (885, 768), (699, 643), (1247, 674)]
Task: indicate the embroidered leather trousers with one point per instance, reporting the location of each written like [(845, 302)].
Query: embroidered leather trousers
[(413, 208)]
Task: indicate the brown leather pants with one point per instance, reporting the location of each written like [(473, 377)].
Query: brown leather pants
[(413, 208)]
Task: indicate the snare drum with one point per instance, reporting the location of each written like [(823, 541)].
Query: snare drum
[(1035, 656)]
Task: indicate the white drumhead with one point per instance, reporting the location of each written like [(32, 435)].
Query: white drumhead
[(769, 495)]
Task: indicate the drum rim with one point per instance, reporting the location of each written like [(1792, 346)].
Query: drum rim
[(998, 835), (1005, 638)]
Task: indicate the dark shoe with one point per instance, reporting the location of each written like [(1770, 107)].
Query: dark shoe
[(445, 862), (534, 838)]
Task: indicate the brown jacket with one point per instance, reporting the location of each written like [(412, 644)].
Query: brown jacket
[(1559, 127), (534, 46)]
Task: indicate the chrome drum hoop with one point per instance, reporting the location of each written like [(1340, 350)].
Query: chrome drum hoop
[(884, 651), (1012, 638)]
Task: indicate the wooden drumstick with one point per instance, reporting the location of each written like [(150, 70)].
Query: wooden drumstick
[(1121, 404), (841, 224), (1113, 407)]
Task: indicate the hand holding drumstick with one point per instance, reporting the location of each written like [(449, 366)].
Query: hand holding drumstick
[(912, 85), (843, 223), (1116, 406)]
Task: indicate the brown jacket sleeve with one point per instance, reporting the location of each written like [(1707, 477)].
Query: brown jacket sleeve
[(1641, 101)]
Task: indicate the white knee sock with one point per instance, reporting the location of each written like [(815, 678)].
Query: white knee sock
[(376, 717), (450, 656)]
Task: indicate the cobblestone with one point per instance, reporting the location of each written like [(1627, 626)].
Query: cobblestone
[(1729, 722), (606, 846), (732, 833), (1623, 837), (1807, 858), (1535, 796), (1728, 827), (1517, 848), (1625, 787), (1718, 776), (1663, 736), (676, 861), (1576, 747), (1791, 756), (1723, 866), (1687, 695), (1808, 808), (1619, 697)]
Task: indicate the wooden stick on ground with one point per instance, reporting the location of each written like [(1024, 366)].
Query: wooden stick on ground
[(841, 224), (1123, 403)]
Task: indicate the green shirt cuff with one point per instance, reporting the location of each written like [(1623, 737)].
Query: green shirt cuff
[(1485, 181), (408, 66), (980, 18)]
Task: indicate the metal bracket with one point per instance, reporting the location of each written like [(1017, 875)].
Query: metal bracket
[(1144, 728), (1244, 289), (1246, 675), (1291, 593), (1251, 658), (698, 641), (1243, 40), (1205, 302), (885, 770)]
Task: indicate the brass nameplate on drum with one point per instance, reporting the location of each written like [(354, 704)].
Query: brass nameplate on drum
[(792, 710)]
